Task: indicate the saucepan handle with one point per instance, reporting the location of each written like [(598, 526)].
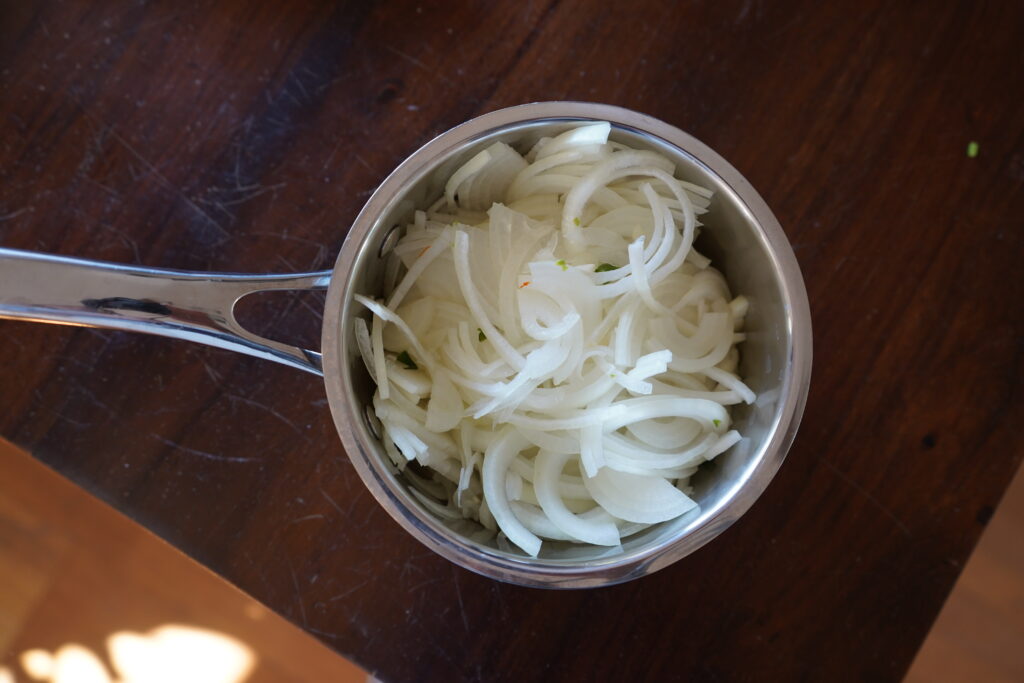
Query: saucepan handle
[(187, 305)]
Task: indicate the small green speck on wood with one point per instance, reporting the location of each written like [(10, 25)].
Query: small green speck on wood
[(972, 149), (405, 359), (480, 335)]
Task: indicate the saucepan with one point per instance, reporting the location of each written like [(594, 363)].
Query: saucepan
[(742, 237)]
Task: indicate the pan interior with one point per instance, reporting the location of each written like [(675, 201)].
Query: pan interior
[(737, 247)]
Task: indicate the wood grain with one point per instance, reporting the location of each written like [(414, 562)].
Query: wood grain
[(75, 571), (242, 137)]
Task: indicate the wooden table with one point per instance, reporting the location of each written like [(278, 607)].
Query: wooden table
[(243, 136)]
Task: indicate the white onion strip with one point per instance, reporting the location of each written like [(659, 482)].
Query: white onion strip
[(547, 471), (465, 277), (496, 462)]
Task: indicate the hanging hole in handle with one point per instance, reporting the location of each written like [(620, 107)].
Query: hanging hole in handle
[(290, 316)]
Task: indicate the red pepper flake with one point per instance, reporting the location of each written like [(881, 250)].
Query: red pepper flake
[(524, 284), (423, 251)]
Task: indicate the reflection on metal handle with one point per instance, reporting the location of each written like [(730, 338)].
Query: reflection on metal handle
[(180, 304)]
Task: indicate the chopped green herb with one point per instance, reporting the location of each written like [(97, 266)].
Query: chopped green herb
[(972, 149), (405, 359), (717, 422), (561, 262), (576, 221), (480, 335), (605, 267)]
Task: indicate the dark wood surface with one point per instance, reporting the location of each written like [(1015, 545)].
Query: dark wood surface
[(245, 136)]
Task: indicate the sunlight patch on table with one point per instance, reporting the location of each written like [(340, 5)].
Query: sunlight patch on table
[(167, 654)]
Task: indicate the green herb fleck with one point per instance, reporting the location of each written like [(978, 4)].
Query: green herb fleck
[(576, 221), (972, 149), (480, 335), (605, 267), (561, 263), (405, 359), (717, 422)]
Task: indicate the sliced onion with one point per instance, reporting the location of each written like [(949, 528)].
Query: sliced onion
[(571, 345), (548, 470), (496, 463), (636, 498)]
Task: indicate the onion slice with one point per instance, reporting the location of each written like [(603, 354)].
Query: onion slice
[(636, 498)]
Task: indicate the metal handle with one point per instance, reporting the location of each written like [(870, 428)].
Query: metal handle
[(180, 304)]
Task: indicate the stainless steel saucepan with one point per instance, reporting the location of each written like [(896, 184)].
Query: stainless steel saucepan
[(741, 236)]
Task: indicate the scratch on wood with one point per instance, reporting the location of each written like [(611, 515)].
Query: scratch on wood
[(458, 594), (500, 598), (17, 342), (330, 157), (78, 363), (202, 454), (288, 264), (874, 501), (210, 371), (744, 11), (412, 60), (326, 634), (290, 96), (238, 166), (410, 565), (305, 93), (307, 518), (133, 31), (321, 249), (219, 206), (423, 584), (65, 418), (350, 591), (331, 501), (272, 411), (125, 240), (362, 161), (252, 195), (298, 594), (15, 214), (88, 393), (319, 315), (167, 183)]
